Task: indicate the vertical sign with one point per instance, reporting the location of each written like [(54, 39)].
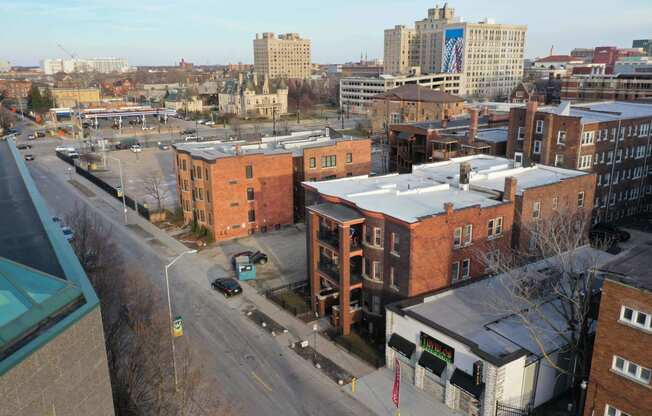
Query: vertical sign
[(396, 390), (453, 53), (177, 327)]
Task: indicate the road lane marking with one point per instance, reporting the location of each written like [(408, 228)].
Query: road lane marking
[(262, 383)]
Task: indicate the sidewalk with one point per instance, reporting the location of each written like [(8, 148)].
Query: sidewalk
[(298, 330), (375, 391)]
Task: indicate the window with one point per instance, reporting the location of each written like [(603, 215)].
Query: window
[(185, 185), (396, 243), (588, 137), (457, 237), (198, 172), (468, 234), (206, 173), (580, 199), (631, 370), (559, 160), (378, 237), (455, 272), (375, 304), (520, 133), (328, 161), (518, 157), (584, 162), (183, 164), (539, 127), (466, 268), (250, 194), (612, 411), (537, 147), (249, 171), (200, 194), (349, 158), (312, 163), (636, 318), (252, 215), (377, 271), (208, 196), (210, 219), (555, 202), (536, 209), (495, 227), (392, 279), (561, 137)]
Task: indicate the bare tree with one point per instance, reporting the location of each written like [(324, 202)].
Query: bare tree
[(552, 301), (156, 189), (137, 330)]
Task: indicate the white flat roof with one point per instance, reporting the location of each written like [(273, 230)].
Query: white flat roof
[(478, 311), (604, 111), (423, 193), (294, 143)]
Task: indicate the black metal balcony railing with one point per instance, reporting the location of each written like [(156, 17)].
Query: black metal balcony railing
[(331, 269), (331, 238)]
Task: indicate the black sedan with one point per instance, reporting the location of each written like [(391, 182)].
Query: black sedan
[(228, 286), (257, 257)]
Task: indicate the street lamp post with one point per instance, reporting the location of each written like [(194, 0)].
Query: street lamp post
[(122, 187), (167, 288)]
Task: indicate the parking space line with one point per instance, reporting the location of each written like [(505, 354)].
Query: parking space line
[(262, 383)]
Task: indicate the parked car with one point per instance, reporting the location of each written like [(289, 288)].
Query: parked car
[(164, 146), (68, 234), (603, 233), (257, 257), (24, 146), (209, 123), (148, 128), (191, 138), (31, 136), (13, 130), (136, 148), (228, 286), (73, 155), (188, 131), (65, 149), (57, 220), (201, 121), (29, 157), (39, 134)]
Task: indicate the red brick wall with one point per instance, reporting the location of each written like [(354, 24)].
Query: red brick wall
[(614, 338), (227, 184), (361, 163), (567, 193), (431, 245)]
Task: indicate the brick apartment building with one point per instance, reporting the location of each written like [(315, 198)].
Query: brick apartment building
[(611, 139), (412, 103), (375, 240), (467, 134), (620, 87), (621, 368), (13, 89), (233, 190)]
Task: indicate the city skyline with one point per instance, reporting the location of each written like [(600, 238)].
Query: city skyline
[(152, 33)]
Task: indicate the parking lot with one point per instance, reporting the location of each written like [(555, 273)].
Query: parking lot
[(143, 172)]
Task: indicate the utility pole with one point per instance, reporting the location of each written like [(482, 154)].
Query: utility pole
[(274, 121)]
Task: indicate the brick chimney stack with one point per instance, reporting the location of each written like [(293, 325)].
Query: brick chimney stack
[(448, 207), (510, 189), (465, 175), (530, 113), (473, 127)]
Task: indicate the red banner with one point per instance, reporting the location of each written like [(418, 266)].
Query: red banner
[(396, 390)]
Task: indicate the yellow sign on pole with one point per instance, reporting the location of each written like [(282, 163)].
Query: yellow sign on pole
[(177, 327)]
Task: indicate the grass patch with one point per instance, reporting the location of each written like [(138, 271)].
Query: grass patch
[(358, 346), (292, 299)]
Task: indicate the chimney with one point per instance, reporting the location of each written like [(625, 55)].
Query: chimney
[(448, 207), (465, 175), (530, 113), (509, 194), (473, 127), (237, 149), (444, 122)]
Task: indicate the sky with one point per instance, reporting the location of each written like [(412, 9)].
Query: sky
[(161, 32)]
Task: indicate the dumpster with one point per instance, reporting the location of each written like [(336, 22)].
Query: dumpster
[(244, 268)]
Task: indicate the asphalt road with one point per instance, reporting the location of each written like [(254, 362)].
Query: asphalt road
[(254, 372)]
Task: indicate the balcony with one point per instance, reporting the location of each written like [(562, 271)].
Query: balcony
[(330, 237), (328, 267)]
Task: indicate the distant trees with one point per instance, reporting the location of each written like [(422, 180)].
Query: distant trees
[(40, 103), (303, 95), (156, 189)]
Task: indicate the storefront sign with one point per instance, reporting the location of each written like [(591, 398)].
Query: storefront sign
[(437, 348)]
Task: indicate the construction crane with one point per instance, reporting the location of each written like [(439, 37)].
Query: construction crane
[(72, 55)]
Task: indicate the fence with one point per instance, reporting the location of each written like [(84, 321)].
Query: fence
[(294, 298), (503, 409), (130, 202)]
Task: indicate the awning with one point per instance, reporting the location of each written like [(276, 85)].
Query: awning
[(465, 382), (404, 135), (402, 345), (431, 363)]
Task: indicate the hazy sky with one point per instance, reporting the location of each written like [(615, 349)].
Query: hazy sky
[(160, 32)]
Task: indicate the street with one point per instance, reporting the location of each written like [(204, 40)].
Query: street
[(252, 371)]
